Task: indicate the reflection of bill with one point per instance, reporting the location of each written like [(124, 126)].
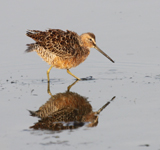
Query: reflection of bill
[(66, 110)]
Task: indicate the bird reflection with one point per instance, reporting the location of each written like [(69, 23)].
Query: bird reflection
[(67, 110)]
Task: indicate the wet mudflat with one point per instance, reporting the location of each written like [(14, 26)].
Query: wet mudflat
[(127, 32)]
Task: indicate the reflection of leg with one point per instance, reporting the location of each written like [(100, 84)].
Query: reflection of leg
[(48, 89), (104, 106), (69, 87), (48, 71), (72, 74)]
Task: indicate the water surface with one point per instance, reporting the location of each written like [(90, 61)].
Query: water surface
[(127, 31)]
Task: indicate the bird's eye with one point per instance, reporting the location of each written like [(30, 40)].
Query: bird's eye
[(90, 40)]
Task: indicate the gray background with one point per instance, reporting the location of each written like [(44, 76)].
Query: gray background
[(128, 31)]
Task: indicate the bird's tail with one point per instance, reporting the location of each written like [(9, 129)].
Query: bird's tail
[(33, 113), (31, 47)]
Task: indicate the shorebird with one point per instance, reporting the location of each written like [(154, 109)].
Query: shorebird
[(65, 111), (62, 49)]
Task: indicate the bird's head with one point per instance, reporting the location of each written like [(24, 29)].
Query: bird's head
[(89, 41)]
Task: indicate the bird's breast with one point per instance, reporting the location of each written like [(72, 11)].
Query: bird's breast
[(60, 61), (67, 63)]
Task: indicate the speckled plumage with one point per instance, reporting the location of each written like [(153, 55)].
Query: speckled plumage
[(61, 101), (58, 48), (62, 49), (64, 107), (67, 110)]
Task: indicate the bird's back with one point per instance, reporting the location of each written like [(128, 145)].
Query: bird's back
[(62, 102), (61, 43), (61, 49)]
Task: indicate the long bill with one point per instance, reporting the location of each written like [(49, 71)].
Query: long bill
[(96, 47)]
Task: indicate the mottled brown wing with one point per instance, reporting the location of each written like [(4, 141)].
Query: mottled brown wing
[(61, 43), (66, 114)]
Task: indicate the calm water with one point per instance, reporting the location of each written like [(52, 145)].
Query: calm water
[(127, 31)]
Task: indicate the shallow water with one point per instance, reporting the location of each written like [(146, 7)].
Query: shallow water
[(127, 31)]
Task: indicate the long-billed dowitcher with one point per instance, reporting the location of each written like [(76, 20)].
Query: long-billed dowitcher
[(63, 50), (63, 108)]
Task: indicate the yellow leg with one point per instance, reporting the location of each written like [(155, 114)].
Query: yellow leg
[(48, 89), (48, 71), (69, 87), (72, 74)]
